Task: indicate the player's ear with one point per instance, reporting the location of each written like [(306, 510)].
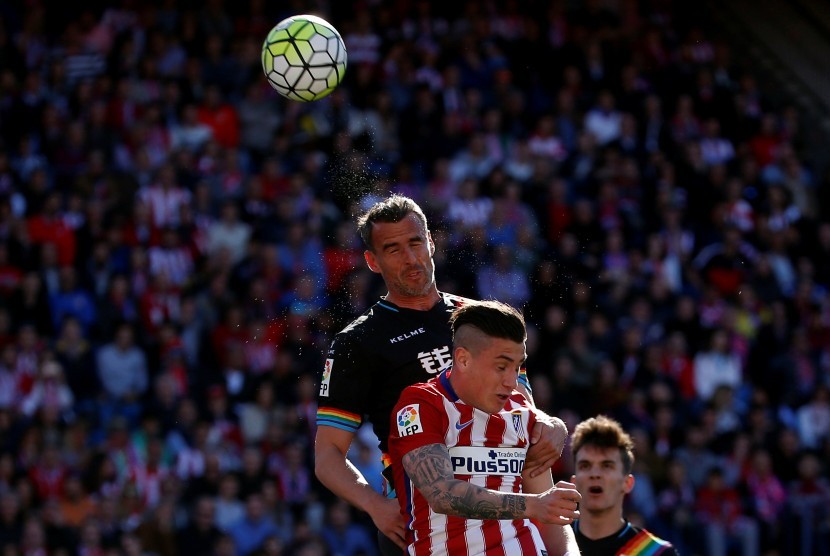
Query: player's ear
[(460, 357), (431, 243), (628, 484), (371, 261)]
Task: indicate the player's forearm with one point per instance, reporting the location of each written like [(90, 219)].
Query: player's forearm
[(537, 485), (559, 539), (342, 478), (462, 499)]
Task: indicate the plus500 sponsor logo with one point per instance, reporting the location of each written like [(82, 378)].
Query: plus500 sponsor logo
[(488, 463)]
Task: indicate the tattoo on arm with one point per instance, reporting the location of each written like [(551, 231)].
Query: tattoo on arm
[(430, 470)]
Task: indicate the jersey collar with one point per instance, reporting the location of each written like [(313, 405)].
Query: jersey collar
[(444, 378)]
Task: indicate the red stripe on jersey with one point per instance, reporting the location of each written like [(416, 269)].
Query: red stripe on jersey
[(525, 536), (492, 528)]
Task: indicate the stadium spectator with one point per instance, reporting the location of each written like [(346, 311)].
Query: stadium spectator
[(122, 370)]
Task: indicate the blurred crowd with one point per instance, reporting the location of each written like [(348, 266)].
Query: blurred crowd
[(177, 249)]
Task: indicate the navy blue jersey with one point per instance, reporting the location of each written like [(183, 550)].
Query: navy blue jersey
[(379, 354)]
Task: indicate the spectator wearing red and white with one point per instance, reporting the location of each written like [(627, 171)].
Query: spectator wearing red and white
[(735, 210), (260, 349), (149, 474), (159, 303), (604, 121), (171, 258), (50, 393), (30, 348), (545, 143), (48, 474), (224, 432), (164, 197)]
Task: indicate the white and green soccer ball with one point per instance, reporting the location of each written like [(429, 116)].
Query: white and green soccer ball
[(304, 57)]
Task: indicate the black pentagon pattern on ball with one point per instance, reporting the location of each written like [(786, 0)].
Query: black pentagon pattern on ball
[(304, 60)]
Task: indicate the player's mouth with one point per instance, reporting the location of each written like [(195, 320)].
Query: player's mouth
[(503, 397), (595, 490), (413, 273)]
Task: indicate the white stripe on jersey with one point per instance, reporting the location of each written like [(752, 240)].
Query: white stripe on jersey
[(475, 534)]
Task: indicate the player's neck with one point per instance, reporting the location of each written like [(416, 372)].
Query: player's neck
[(600, 525), (418, 303)]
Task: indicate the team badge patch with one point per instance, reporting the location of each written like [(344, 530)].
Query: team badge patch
[(409, 420), (324, 383), (517, 424)]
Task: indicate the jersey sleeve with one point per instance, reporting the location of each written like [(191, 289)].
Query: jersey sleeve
[(418, 420), (344, 391)]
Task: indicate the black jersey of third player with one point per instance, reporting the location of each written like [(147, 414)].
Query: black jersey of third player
[(379, 354), (628, 541)]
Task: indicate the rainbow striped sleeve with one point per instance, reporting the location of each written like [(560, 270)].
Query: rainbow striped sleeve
[(524, 381), (645, 544), (339, 419)]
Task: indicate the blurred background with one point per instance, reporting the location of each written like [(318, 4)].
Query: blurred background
[(647, 179)]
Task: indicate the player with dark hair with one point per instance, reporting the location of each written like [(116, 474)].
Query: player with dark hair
[(458, 445), (403, 339), (603, 458)]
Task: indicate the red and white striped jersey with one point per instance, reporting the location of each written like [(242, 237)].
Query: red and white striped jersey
[(486, 450)]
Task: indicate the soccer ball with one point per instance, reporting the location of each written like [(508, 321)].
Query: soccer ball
[(304, 57)]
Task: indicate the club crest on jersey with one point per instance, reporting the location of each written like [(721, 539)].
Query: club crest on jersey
[(517, 424), (409, 420), (324, 383)]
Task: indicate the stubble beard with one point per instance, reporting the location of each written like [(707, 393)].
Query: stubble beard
[(406, 289)]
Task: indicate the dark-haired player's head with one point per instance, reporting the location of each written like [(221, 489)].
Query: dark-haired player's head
[(391, 210), (488, 352), (603, 457), (399, 247), (486, 319)]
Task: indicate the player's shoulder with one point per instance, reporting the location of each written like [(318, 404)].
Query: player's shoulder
[(378, 315), (427, 391), (519, 399), (454, 301), (649, 543)]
